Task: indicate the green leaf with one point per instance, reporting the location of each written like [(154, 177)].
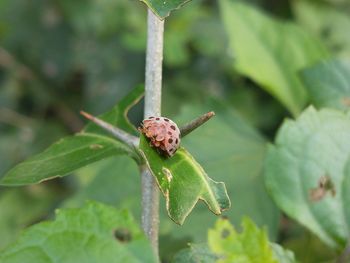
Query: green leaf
[(227, 146), (93, 233), (73, 152), (64, 157), (282, 255), (249, 246), (183, 182), (228, 159), (226, 245), (195, 254), (307, 150), (162, 8), (328, 84), (98, 182), (21, 207), (117, 116), (270, 51), (16, 145)]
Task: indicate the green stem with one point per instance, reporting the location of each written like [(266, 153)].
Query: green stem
[(153, 88)]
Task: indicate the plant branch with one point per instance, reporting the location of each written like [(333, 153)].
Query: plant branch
[(153, 88), (121, 135), (192, 125)]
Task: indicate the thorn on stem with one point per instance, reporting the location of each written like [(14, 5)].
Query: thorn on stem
[(194, 124), (115, 131), (87, 115)]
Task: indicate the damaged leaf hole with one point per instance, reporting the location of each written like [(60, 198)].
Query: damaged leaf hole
[(225, 233), (96, 146), (167, 174), (325, 185), (123, 235)]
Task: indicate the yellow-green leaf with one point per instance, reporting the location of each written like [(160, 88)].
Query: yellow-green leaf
[(250, 246)]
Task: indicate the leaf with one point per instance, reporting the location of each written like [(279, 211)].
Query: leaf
[(226, 245), (251, 245), (282, 255), (77, 151), (162, 8), (231, 151), (183, 182), (21, 207), (196, 253), (328, 84), (117, 116), (64, 157), (315, 145), (93, 233), (270, 51), (228, 158), (98, 182), (16, 145)]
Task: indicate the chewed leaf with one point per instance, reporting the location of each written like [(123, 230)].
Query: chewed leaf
[(249, 246), (227, 245), (307, 172), (229, 158), (325, 185), (183, 182), (93, 233)]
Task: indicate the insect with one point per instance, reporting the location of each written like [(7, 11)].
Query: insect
[(163, 134)]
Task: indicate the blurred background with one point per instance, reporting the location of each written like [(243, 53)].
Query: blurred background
[(58, 57)]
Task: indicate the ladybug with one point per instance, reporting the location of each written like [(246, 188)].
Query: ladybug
[(163, 134)]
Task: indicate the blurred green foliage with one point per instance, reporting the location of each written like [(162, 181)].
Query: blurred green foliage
[(108, 235), (59, 56)]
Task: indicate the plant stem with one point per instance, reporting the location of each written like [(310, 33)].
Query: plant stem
[(121, 135), (194, 124), (153, 88)]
